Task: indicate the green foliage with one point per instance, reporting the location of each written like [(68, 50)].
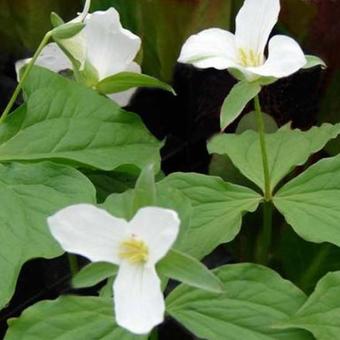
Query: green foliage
[(184, 268), (320, 313), (69, 318), (240, 95), (65, 121), (254, 300), (286, 149), (218, 207), (311, 202), (29, 193), (93, 273), (126, 80)]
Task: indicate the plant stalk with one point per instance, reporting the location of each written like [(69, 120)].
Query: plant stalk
[(260, 126), (24, 76), (265, 234), (264, 237)]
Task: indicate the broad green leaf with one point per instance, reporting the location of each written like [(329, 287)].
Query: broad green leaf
[(218, 207), (29, 193), (63, 120), (93, 273), (184, 268), (107, 183), (311, 202), (320, 313), (69, 318), (240, 95), (126, 80), (313, 61), (249, 122), (255, 298), (286, 149)]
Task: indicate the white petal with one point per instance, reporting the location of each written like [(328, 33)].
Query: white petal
[(89, 231), (110, 47), (254, 22), (285, 57), (123, 98), (158, 227), (213, 47), (138, 298), (51, 57)]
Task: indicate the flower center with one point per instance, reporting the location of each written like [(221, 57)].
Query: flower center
[(133, 250), (249, 58)]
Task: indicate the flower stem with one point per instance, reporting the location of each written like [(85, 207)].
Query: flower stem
[(24, 77), (260, 126), (265, 234)]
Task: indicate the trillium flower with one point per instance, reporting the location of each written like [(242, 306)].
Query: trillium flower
[(103, 48), (134, 246), (243, 53)]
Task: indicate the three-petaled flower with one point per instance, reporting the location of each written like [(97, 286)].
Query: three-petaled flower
[(101, 49), (135, 246), (243, 53)]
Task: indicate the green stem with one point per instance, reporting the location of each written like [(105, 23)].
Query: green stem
[(265, 234), (314, 267), (260, 126), (264, 237), (24, 76), (73, 263)]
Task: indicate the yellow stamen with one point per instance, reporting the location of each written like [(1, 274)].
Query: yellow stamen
[(249, 57), (133, 250)]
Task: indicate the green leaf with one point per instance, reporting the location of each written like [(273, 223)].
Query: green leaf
[(69, 318), (145, 189), (65, 121), (240, 95), (255, 298), (67, 31), (320, 313), (313, 61), (93, 274), (310, 202), (107, 183), (249, 122), (286, 149), (126, 80), (218, 207), (29, 193), (184, 268)]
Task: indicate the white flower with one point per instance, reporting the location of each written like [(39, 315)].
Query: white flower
[(102, 49), (244, 50), (135, 246)]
